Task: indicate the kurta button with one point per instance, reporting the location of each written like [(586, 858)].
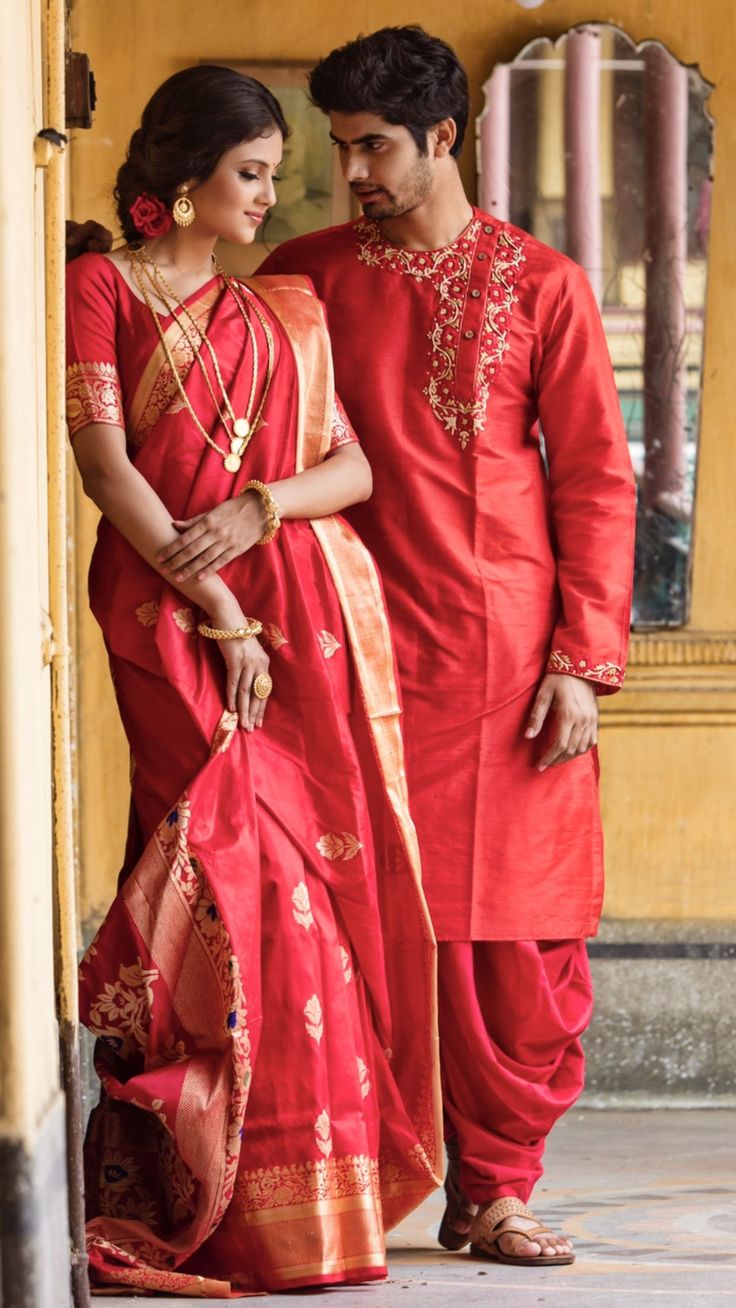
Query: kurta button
[(468, 335), (488, 229), (482, 256), (475, 294)]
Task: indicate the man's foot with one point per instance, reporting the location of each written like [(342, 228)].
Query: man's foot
[(507, 1232), (454, 1232)]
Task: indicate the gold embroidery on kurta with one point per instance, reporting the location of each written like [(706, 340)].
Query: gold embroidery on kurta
[(93, 395), (609, 674), (449, 270)]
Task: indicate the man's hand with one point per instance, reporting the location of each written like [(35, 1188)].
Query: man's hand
[(575, 707)]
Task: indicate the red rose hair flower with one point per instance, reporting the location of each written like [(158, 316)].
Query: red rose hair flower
[(150, 215)]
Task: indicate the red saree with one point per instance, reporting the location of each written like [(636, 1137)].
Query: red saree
[(270, 1099)]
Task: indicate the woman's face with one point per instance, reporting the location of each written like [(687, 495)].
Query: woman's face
[(233, 201)]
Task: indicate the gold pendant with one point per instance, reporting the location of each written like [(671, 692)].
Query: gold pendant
[(241, 428), (232, 462), (237, 446)]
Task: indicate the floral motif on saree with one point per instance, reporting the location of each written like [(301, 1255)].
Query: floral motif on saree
[(336, 845)]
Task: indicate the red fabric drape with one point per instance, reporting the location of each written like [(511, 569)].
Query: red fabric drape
[(511, 1016), (267, 1106)]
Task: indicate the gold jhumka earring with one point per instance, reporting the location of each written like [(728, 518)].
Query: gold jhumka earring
[(183, 209)]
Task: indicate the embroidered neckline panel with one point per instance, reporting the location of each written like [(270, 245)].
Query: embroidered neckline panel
[(451, 269)]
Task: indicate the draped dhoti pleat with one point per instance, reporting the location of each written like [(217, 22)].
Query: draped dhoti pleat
[(511, 1015)]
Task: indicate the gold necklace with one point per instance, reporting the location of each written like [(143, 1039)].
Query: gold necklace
[(242, 428), (245, 305)]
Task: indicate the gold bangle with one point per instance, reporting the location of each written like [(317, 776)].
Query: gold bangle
[(272, 509), (253, 628)]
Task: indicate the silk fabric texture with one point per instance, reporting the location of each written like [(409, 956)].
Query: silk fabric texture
[(504, 552), (270, 1100)]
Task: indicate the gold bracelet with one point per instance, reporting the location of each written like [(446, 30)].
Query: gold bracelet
[(272, 509), (253, 628)]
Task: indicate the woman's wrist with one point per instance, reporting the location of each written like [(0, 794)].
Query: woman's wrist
[(269, 508), (221, 606), (252, 502)]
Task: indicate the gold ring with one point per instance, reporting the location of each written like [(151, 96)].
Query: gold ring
[(262, 686)]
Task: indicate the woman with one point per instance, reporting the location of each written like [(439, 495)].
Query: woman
[(269, 1104)]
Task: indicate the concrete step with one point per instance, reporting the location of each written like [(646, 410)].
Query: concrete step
[(664, 1029)]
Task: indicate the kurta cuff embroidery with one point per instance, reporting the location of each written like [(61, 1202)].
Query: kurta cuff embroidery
[(609, 674)]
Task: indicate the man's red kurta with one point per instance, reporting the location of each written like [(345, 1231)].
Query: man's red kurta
[(503, 554)]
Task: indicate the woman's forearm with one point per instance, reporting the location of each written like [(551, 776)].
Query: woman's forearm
[(131, 504), (342, 479), (210, 540)]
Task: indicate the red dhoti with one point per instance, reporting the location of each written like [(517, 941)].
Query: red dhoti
[(511, 1016)]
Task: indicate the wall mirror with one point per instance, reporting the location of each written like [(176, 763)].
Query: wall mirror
[(603, 149)]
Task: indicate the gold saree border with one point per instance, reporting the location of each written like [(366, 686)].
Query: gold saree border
[(306, 1183), (294, 303), (318, 1239), (154, 378)]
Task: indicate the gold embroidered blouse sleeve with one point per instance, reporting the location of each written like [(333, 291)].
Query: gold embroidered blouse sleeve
[(93, 388), (93, 394), (342, 432)]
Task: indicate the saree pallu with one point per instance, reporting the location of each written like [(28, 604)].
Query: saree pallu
[(262, 989)]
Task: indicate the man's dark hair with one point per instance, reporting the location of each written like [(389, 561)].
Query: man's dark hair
[(400, 73)]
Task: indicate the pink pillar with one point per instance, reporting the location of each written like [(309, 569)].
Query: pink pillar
[(583, 208), (494, 137), (665, 333)]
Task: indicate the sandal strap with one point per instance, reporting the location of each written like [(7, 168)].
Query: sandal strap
[(526, 1233), (488, 1218)]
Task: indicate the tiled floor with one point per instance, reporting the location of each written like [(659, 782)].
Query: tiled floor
[(648, 1197)]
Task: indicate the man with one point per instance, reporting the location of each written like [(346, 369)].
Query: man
[(507, 561)]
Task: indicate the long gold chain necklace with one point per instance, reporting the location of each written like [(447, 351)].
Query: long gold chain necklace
[(160, 286), (240, 426), (243, 428)]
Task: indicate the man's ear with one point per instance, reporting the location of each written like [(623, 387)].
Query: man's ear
[(442, 137)]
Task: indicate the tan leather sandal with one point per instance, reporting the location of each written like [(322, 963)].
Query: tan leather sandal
[(458, 1207), (485, 1237)]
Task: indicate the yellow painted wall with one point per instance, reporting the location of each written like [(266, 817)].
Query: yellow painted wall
[(669, 745)]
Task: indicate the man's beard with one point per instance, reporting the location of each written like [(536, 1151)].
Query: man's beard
[(410, 196)]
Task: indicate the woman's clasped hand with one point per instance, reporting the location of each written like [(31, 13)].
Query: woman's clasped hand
[(210, 540)]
